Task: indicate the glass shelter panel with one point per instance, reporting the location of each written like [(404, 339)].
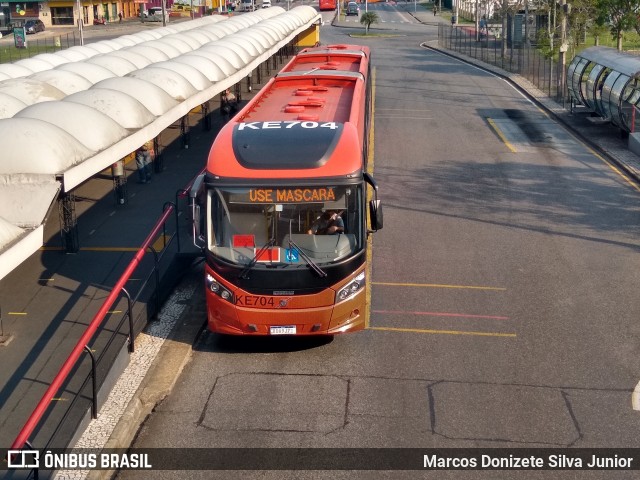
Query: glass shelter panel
[(630, 97), (606, 98), (584, 84), (576, 70), (592, 86)]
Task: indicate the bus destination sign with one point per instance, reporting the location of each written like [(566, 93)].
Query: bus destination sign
[(292, 195)]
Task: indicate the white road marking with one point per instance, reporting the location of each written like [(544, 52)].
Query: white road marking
[(635, 397)]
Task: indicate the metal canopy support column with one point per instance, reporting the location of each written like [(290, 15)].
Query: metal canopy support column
[(206, 116), (184, 130), (119, 182), (158, 165), (68, 223)]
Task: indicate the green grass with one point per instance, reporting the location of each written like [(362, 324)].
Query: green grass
[(630, 41), (9, 52)]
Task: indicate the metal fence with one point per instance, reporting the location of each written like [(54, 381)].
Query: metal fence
[(525, 60), (105, 334), (10, 53)]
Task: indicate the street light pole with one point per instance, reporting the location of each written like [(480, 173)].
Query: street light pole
[(80, 20), (562, 51), (477, 22)]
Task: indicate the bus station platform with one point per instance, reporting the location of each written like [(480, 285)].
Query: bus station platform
[(47, 302)]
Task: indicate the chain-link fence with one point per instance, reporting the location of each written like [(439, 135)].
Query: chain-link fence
[(518, 57), (10, 53)]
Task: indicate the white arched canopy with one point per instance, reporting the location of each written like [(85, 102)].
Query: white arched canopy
[(129, 89)]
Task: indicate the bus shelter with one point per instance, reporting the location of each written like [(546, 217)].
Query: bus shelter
[(607, 82)]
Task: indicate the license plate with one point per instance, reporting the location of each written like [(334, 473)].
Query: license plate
[(283, 330)]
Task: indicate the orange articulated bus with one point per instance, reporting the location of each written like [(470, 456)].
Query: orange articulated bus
[(298, 149)]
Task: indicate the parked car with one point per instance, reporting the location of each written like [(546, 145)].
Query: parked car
[(247, 5), (266, 3), (34, 26), (352, 9), (155, 14)]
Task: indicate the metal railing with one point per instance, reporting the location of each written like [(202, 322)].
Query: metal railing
[(525, 60), (9, 53), (70, 366)]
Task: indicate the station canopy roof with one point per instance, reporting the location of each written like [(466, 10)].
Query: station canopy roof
[(68, 115)]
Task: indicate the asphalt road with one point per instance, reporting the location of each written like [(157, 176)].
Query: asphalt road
[(504, 298)]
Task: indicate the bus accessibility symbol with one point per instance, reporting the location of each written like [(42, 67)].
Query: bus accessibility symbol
[(291, 255)]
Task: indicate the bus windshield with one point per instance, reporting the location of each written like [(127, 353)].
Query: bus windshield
[(270, 226)]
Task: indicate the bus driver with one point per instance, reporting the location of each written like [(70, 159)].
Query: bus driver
[(329, 223)]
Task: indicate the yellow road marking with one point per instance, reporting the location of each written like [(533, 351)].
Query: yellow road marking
[(160, 242), (99, 249), (615, 169), (626, 177), (110, 249), (16, 313), (59, 399), (158, 245), (501, 135), (442, 332), (96, 249), (437, 285), (370, 170)]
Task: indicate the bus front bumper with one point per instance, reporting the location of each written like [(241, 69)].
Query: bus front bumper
[(344, 317)]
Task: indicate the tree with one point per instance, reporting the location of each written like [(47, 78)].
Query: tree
[(367, 19), (619, 15), (580, 19)]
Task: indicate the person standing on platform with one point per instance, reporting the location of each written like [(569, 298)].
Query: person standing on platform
[(229, 104), (143, 163)]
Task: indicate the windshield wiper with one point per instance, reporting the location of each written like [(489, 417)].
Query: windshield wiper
[(313, 265), (244, 274)]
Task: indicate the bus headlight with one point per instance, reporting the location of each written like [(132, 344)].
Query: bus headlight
[(351, 288), (218, 289)]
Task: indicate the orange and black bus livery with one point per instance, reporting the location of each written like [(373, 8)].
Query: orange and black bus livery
[(296, 150)]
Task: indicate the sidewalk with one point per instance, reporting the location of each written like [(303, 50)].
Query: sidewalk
[(604, 138)]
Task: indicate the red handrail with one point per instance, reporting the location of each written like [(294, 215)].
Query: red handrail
[(68, 365)]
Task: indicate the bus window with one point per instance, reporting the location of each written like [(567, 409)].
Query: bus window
[(247, 219)]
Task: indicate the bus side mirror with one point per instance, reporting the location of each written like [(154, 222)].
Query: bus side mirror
[(375, 205), (375, 212), (196, 195)]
